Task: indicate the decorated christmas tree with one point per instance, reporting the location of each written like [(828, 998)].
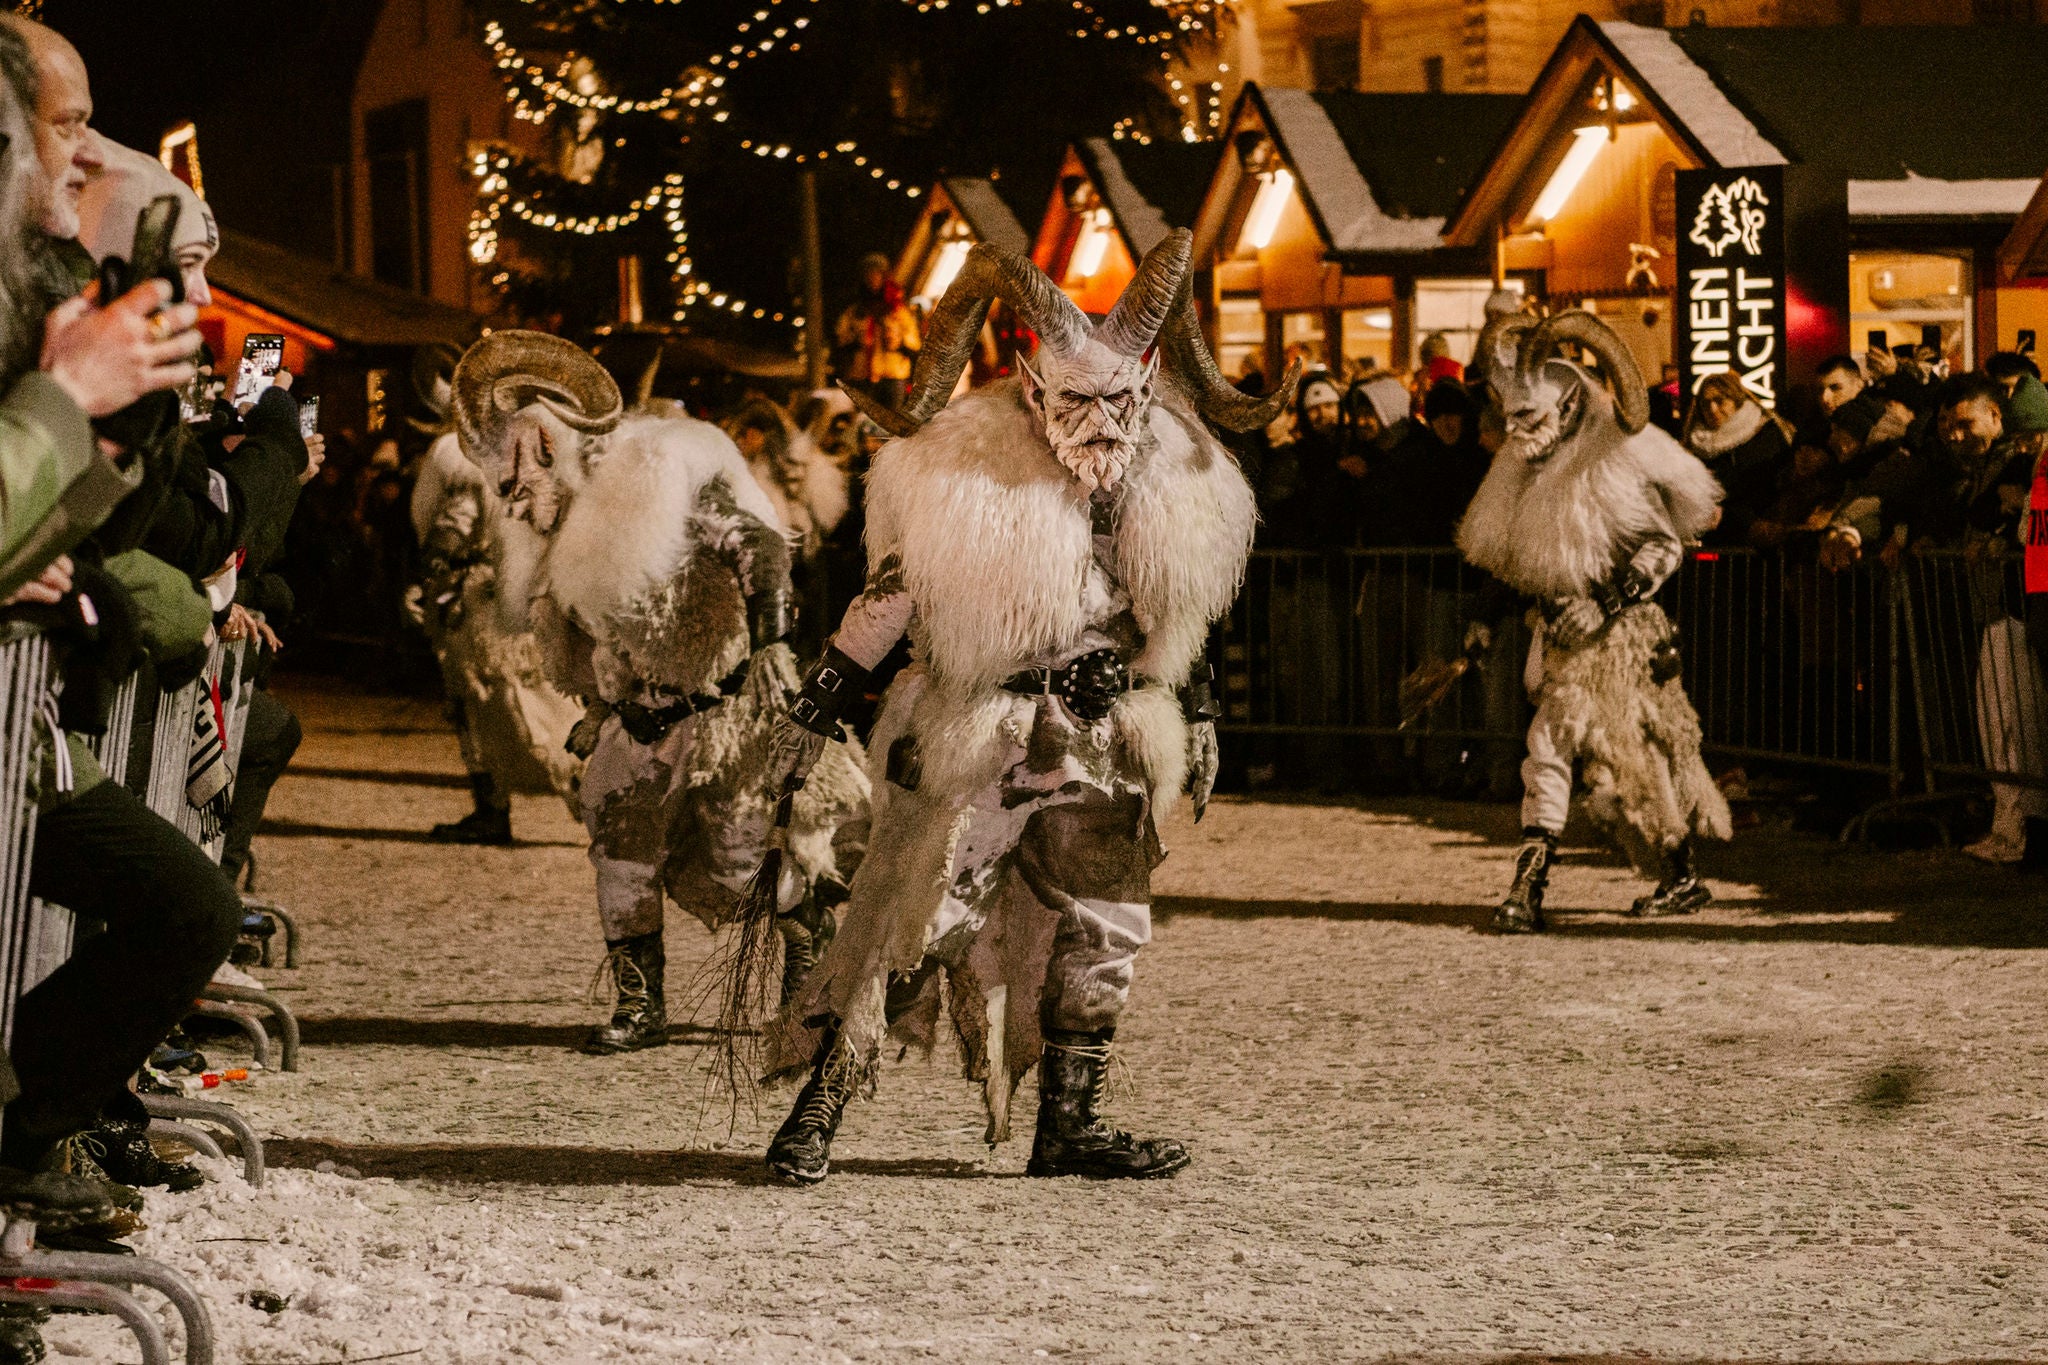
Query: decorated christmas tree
[(667, 137)]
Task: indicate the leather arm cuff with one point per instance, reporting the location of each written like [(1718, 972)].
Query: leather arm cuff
[(1198, 704), (1628, 586), (770, 615), (832, 683)]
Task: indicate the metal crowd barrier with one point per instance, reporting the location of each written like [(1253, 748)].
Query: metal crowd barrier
[(1909, 675), (162, 787), (89, 1282)]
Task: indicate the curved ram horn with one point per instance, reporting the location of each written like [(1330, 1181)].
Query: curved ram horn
[(509, 369), (1631, 399), (1499, 330), (988, 274), (1142, 309), (1184, 357)]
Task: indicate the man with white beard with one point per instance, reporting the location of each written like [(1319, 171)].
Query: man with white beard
[(1056, 547)]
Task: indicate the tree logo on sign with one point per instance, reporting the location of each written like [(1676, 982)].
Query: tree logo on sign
[(1731, 214)]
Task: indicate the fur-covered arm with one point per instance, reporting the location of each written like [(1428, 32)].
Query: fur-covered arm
[(759, 555), (1689, 497), (878, 618)]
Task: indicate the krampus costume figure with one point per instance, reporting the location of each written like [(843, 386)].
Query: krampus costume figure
[(1057, 547), (1588, 508), (512, 722), (661, 598)]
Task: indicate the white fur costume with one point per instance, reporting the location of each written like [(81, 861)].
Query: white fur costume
[(1012, 841), (640, 600), (511, 721), (1573, 503)]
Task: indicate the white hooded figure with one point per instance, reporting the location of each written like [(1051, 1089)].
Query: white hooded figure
[(1587, 508), (661, 598), (513, 724), (1055, 547)]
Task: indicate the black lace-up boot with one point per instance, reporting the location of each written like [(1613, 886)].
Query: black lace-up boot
[(1072, 1138), (640, 1015), (802, 1150), (1680, 891), (1522, 911)]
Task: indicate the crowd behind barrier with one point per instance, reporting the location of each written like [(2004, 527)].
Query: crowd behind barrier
[(1918, 675)]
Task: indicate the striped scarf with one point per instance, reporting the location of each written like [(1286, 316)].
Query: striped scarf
[(209, 786)]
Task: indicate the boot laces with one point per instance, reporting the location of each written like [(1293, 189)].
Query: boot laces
[(625, 976), (835, 1084), (1110, 1076)]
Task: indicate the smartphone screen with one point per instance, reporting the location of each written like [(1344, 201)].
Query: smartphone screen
[(262, 358), (309, 416), (192, 404)]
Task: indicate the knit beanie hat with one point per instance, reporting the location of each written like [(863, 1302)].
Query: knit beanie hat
[(116, 197), (2027, 409), (1319, 388), (1387, 397)]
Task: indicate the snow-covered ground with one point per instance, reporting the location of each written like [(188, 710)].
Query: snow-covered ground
[(1810, 1124)]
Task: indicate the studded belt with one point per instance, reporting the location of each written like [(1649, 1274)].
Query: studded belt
[(1089, 685), (651, 724)]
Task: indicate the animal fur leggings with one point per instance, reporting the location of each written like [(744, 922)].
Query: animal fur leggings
[(634, 799), (1086, 854)]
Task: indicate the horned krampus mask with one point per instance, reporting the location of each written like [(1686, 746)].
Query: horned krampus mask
[(1092, 385), (533, 411), (1543, 394)]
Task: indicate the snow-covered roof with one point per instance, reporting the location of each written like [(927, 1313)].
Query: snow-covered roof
[(1406, 144), (1919, 196), (1721, 129), (986, 212), (1149, 189)]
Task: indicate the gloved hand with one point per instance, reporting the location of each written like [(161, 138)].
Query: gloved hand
[(795, 751), (583, 734), (1204, 756), (1478, 638), (1581, 618)]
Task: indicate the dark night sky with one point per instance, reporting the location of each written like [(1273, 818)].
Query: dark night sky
[(269, 134)]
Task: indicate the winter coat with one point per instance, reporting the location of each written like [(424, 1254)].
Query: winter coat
[(1747, 454), (1934, 496)]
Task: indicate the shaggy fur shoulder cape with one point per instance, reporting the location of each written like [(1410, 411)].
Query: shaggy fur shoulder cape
[(1554, 529), (634, 562), (995, 538)]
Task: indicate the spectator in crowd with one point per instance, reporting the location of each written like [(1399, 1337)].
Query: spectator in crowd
[(1667, 407), (169, 915), (2009, 367), (1962, 483), (1744, 445), (1857, 436), (1437, 362), (2011, 693), (1421, 473), (1841, 380), (878, 334), (232, 486), (1314, 494)]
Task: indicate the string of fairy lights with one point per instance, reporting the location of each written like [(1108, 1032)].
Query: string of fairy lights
[(537, 93)]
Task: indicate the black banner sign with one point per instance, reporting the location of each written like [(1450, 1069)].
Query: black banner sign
[(1731, 278)]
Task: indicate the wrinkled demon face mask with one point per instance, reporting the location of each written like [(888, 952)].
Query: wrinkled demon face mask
[(1092, 405), (539, 466)]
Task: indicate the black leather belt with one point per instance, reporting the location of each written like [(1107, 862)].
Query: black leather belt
[(651, 724), (1088, 685)]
